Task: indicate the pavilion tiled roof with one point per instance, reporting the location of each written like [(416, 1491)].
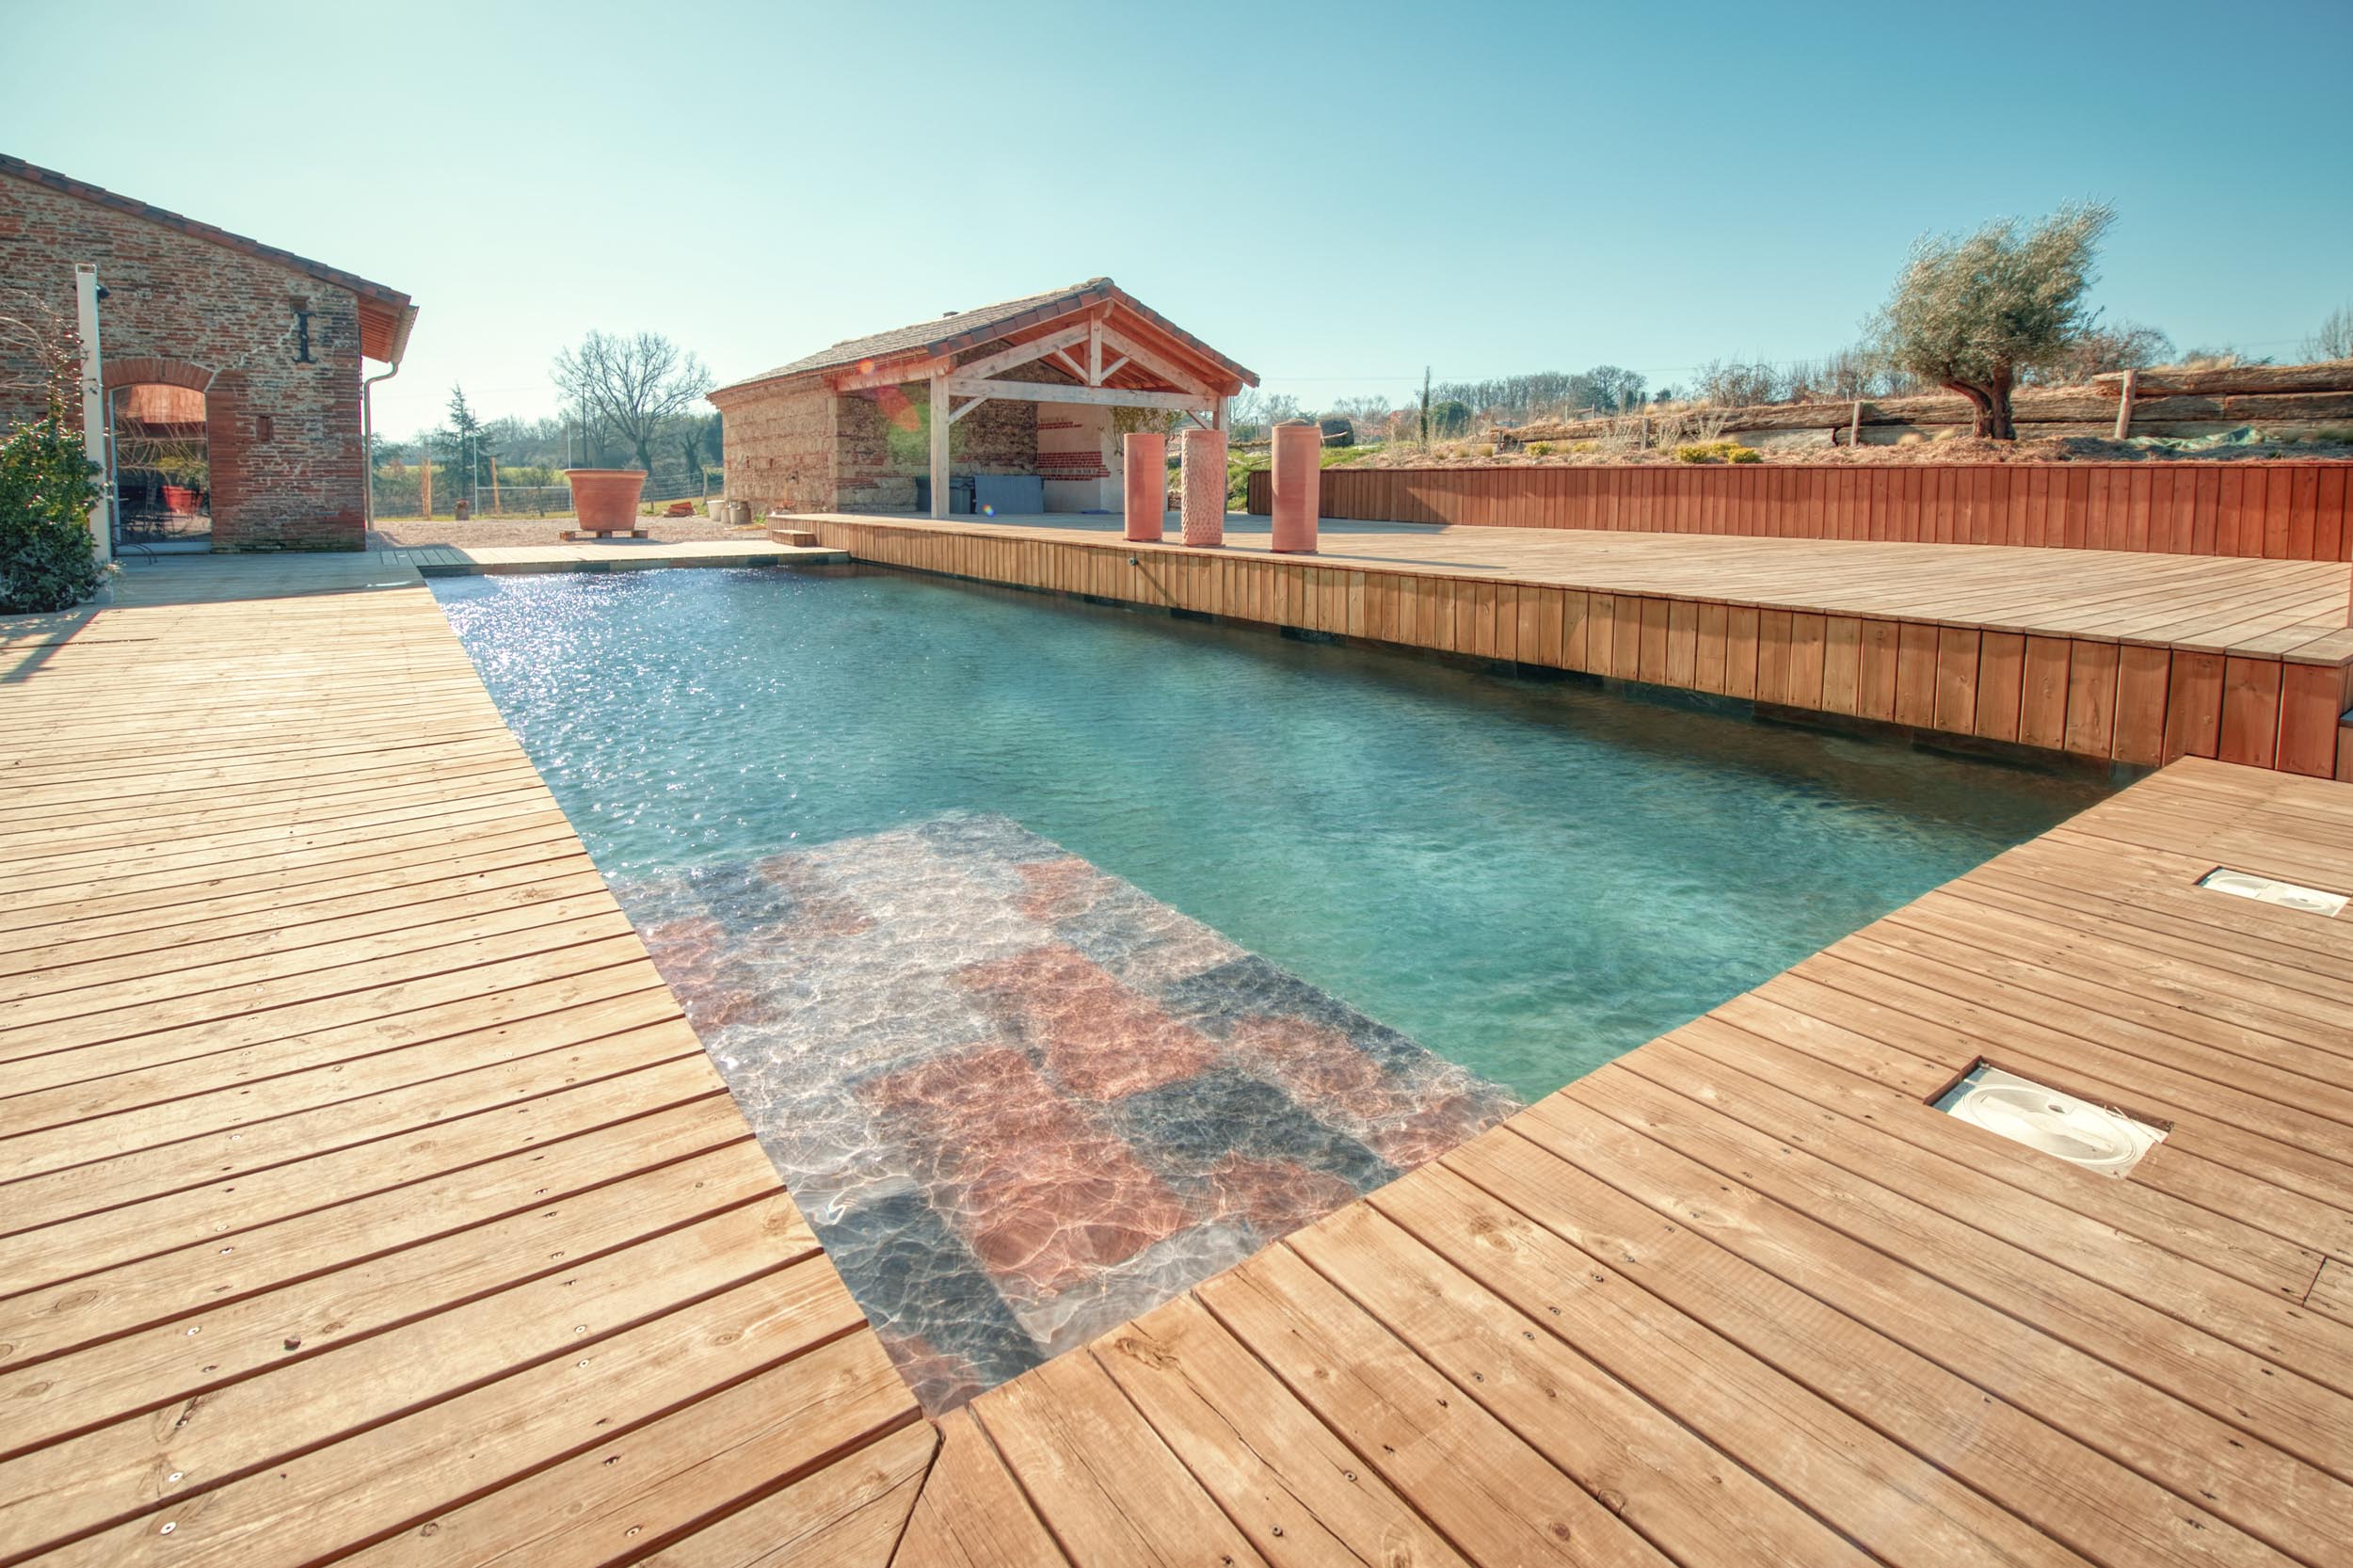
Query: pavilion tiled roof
[(959, 330)]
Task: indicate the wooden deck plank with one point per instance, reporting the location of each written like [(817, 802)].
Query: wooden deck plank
[(360, 1176)]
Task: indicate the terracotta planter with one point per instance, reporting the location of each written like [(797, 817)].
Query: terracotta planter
[(605, 499)]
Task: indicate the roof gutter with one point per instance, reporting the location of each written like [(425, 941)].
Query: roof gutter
[(367, 416)]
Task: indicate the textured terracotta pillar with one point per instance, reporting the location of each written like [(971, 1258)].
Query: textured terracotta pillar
[(1148, 486), (1298, 486), (1203, 461)]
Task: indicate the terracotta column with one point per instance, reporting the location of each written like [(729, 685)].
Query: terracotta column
[(1148, 486), (1203, 461), (1298, 486)]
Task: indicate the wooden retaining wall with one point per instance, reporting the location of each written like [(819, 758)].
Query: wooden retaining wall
[(2126, 702), (2286, 511)]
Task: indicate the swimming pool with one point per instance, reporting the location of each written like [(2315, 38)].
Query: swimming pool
[(1527, 877), (1061, 956)]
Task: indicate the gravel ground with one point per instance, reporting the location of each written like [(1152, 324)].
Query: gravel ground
[(393, 533)]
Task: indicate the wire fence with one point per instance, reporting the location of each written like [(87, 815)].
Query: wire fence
[(398, 493)]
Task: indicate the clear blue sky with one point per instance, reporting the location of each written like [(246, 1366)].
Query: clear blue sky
[(1336, 195)]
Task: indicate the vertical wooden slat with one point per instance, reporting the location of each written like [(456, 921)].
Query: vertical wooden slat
[(2329, 533), (1740, 650), (1575, 626), (2312, 697), (1956, 651), (2143, 675), (1683, 643), (2250, 711), (1655, 634), (1807, 655), (1841, 662), (2193, 705), (2303, 512), (1773, 656), (1708, 663), (1625, 657), (2001, 685), (2275, 487), (2091, 698), (1915, 675)]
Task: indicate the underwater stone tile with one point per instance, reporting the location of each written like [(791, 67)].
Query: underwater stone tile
[(1106, 1298), (1042, 1193), (916, 1284), (1018, 1099), (1097, 1036), (1142, 942), (1183, 1130), (1274, 1197), (1215, 1000)]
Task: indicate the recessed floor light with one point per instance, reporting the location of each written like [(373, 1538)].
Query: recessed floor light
[(2265, 889), (2057, 1124)]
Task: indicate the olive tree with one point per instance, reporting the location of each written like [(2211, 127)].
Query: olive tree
[(1974, 312)]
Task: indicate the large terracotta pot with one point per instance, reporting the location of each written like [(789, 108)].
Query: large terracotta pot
[(605, 499)]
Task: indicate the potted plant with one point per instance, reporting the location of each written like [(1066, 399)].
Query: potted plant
[(605, 499)]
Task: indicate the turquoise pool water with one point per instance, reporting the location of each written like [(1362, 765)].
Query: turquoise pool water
[(1527, 877)]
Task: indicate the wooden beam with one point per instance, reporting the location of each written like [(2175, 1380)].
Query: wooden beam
[(940, 421), (892, 376), (1046, 391), (1166, 370), (1022, 353)]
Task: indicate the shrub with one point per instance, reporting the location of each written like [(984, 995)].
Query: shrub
[(1716, 451), (47, 487)]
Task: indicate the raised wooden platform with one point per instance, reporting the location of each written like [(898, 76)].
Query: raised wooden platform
[(360, 1184), (366, 1198), (2130, 658), (1745, 1297)]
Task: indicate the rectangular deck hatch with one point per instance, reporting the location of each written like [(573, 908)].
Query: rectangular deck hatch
[(2045, 1119), (2265, 889)]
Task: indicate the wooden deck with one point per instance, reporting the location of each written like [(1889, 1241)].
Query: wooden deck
[(368, 1198), (362, 1187), (2122, 656), (1744, 1297)]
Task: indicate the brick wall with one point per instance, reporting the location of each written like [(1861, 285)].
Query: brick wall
[(809, 450), (779, 448), (288, 468)]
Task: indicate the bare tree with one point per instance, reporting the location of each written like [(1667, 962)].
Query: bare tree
[(2335, 341), (1975, 312), (634, 386)]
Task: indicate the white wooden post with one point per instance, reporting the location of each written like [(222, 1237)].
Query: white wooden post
[(2124, 403), (940, 445), (102, 537)]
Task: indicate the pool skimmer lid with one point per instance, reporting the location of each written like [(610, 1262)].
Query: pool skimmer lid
[(2265, 890), (2045, 1119)]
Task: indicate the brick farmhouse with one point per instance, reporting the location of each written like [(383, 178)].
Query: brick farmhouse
[(1020, 396), (273, 344)]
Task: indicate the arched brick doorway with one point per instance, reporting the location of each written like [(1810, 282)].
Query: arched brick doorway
[(175, 458)]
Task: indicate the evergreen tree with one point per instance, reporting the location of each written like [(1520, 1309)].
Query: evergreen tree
[(467, 447)]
